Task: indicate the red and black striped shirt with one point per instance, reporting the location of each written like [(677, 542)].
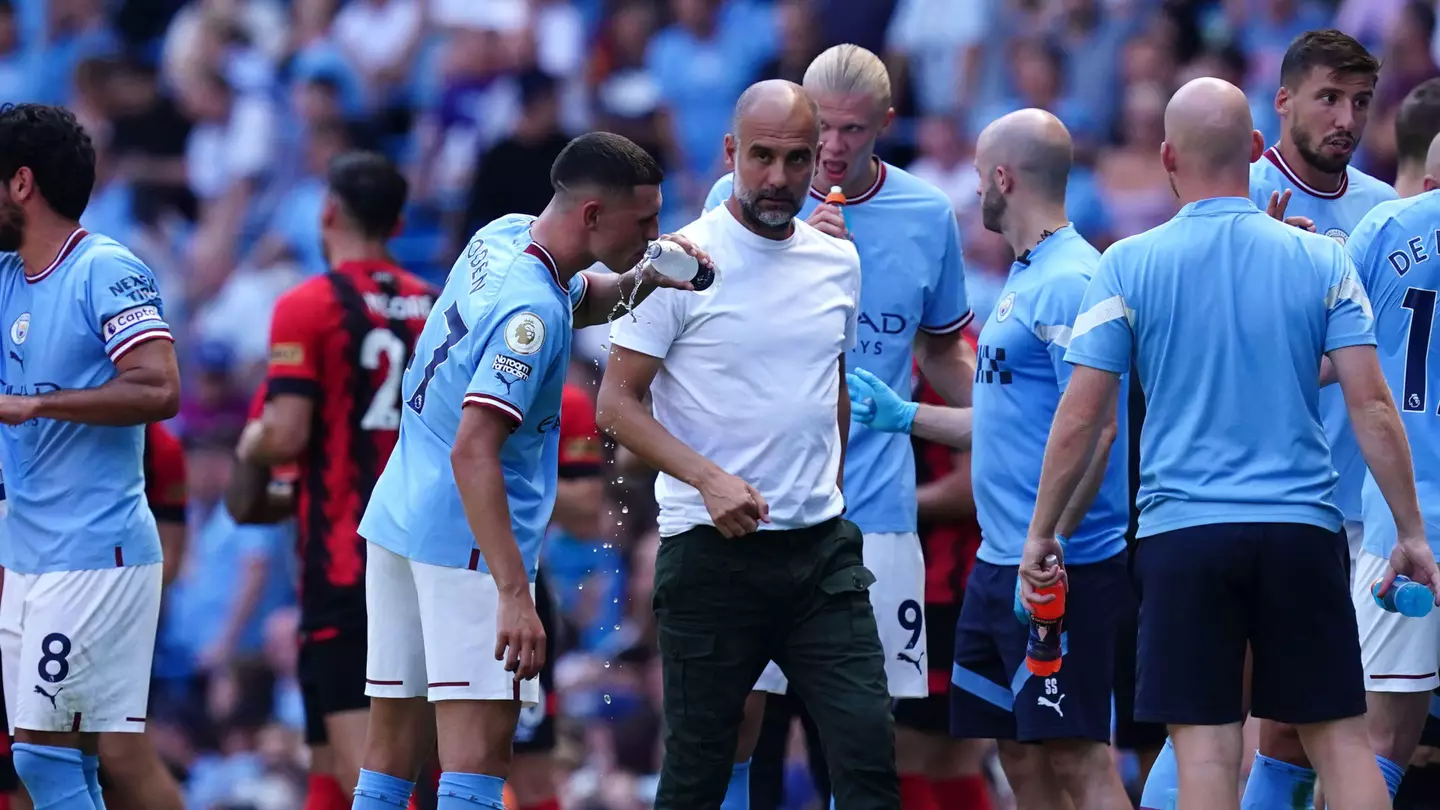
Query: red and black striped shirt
[(950, 546), (343, 339)]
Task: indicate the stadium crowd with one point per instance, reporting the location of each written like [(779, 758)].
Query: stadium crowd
[(214, 121)]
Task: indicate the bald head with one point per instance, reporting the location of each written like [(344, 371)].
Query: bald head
[(1034, 145), (776, 104), (1208, 125)]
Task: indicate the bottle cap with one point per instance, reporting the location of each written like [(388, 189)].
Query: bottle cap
[(836, 196)]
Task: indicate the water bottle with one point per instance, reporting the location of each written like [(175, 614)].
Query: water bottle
[(1047, 622), (1022, 613), (669, 259), (1406, 597), (836, 197)]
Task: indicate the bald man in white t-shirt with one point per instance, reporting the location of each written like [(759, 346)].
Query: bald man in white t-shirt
[(748, 428)]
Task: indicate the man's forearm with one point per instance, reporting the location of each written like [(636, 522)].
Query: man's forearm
[(604, 291), (1090, 484), (952, 427), (481, 482), (948, 365), (134, 397), (1067, 457), (1382, 441), (633, 427)]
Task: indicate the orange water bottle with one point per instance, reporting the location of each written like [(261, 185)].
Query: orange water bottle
[(835, 197), (1047, 623)]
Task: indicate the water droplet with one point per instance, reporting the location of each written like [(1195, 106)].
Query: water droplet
[(580, 587), (615, 601), (620, 480), (607, 664), (624, 510), (607, 700)]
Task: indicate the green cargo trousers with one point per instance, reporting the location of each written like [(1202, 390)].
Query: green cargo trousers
[(800, 598)]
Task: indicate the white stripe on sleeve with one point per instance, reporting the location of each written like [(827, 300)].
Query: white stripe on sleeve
[(1111, 309)]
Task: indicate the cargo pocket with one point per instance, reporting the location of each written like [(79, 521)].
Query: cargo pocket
[(851, 587), (683, 653)]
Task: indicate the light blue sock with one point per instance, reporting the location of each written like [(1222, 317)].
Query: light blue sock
[(91, 764), (1392, 772), (54, 777), (1163, 782), (381, 791), (1276, 785), (737, 795), (467, 791)]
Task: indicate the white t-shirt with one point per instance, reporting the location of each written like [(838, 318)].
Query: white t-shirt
[(750, 378)]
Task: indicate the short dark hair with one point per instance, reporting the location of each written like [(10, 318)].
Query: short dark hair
[(1325, 48), (52, 144), (370, 189), (604, 159), (1417, 122)]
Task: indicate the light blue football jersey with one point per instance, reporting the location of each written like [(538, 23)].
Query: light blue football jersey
[(1019, 377), (75, 493), (912, 278), (1335, 215), (1226, 314), (1396, 250), (498, 337)]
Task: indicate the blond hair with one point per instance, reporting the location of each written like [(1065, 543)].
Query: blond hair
[(849, 70)]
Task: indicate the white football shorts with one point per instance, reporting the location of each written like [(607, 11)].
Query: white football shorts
[(76, 648), (432, 633), (898, 598), (1399, 654)]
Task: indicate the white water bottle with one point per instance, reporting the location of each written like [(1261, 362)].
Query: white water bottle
[(669, 259)]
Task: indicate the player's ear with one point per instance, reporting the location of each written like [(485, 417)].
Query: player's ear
[(730, 147), (328, 211), (1431, 183), (590, 214), (1167, 157), (1282, 101), (399, 226), (1257, 145), (22, 184), (889, 119)]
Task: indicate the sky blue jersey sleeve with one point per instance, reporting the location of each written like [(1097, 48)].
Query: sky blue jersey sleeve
[(511, 361), (1054, 320), (1375, 271), (1102, 336), (946, 309), (1349, 320), (578, 289), (123, 303), (720, 192)]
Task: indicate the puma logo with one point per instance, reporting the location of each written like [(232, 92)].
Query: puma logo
[(51, 697), (506, 382), (16, 358), (1041, 700), (915, 662)]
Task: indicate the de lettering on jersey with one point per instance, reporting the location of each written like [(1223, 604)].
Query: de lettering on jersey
[(875, 328), (1402, 260)]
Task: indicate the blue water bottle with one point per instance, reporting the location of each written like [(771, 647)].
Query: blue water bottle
[(1406, 597)]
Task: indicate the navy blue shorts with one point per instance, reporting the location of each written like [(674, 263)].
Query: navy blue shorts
[(993, 695), (1207, 591)]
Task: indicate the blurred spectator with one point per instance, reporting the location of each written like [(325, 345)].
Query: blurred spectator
[(627, 94), (944, 163), (381, 39), (1133, 184), (513, 176), (799, 42), (17, 73), (149, 135)]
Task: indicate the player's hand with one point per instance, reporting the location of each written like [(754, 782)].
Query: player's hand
[(1276, 209), (1413, 558), (1035, 574), (649, 274), (827, 219), (876, 404), (736, 508), (17, 410), (519, 635)]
